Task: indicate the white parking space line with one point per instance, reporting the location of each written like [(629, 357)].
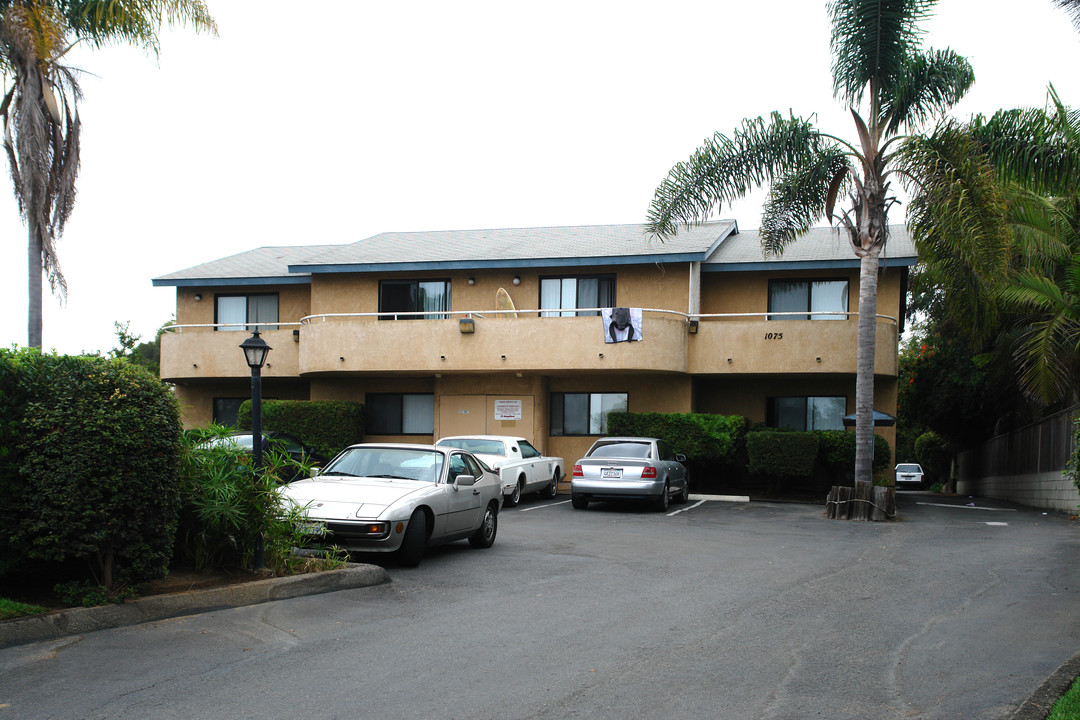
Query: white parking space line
[(699, 502), (997, 524), (971, 506), (721, 498), (541, 507)]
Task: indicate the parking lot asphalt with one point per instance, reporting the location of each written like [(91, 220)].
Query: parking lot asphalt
[(962, 608)]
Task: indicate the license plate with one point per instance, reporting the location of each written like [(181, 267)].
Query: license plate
[(313, 528), (611, 473)]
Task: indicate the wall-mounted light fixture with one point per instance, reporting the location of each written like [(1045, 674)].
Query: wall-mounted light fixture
[(503, 357), (729, 360), (342, 359), (442, 357), (472, 281), (819, 359), (467, 325), (296, 335), (198, 297), (517, 279), (693, 327), (601, 354)]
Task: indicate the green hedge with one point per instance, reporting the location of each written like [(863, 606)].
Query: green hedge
[(698, 436), (89, 450), (838, 450), (782, 454), (329, 426)]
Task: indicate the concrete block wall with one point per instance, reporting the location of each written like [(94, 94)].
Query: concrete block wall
[(1049, 490)]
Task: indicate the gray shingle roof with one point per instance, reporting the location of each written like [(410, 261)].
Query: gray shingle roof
[(821, 247), (261, 266)]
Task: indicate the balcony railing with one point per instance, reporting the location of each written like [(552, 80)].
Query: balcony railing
[(526, 340)]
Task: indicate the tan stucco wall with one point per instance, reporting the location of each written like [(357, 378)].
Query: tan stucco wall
[(294, 301), (196, 400)]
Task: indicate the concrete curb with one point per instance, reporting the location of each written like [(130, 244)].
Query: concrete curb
[(160, 607), (1038, 706)]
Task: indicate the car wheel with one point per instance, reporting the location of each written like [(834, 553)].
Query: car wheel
[(553, 489), (662, 502), (484, 537), (580, 502), (412, 545), (684, 496), (515, 497)]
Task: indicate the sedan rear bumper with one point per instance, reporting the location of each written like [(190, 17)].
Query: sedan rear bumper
[(597, 488)]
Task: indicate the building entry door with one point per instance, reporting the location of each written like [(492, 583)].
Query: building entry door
[(486, 415)]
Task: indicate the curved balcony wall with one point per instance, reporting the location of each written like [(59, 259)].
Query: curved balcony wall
[(194, 353)]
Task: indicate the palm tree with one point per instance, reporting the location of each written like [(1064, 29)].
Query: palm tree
[(879, 68), (41, 121)]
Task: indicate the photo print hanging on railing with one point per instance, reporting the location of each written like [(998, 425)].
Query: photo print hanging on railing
[(621, 324)]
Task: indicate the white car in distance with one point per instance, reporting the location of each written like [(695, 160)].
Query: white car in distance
[(521, 467)]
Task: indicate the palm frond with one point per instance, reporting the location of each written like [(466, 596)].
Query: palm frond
[(931, 84), (1032, 148), (871, 41), (727, 168), (134, 21), (798, 199), (1072, 9)]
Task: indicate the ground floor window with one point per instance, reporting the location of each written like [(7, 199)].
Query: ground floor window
[(807, 413), (584, 413), (399, 414), (227, 410)]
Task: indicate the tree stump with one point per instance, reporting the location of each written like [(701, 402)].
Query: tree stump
[(863, 496)]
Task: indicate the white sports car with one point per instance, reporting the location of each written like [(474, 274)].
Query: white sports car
[(393, 498)]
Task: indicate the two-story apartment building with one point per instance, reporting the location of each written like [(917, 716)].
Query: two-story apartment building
[(413, 324)]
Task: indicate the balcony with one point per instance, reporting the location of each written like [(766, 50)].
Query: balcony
[(196, 352), (357, 343)]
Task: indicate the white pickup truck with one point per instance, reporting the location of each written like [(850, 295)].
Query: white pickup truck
[(521, 467)]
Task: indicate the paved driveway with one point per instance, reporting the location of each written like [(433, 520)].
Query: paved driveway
[(718, 610)]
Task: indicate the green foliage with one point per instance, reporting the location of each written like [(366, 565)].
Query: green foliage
[(88, 455), (329, 426), (1072, 468), (934, 454), (837, 450), (13, 609), (1067, 707), (782, 455), (698, 436), (144, 354), (226, 506), (88, 594)]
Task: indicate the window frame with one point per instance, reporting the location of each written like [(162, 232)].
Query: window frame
[(401, 414), (771, 413), (561, 430), (248, 326), (809, 298), (574, 312), (434, 315)]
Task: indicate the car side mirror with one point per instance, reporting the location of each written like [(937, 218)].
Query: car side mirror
[(680, 458), (465, 480)]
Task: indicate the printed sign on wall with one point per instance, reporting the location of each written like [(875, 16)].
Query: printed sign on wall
[(507, 409)]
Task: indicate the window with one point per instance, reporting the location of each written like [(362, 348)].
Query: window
[(584, 413), (808, 295), (807, 413), (400, 413), (227, 410), (409, 296), (528, 451), (254, 309), (567, 293)]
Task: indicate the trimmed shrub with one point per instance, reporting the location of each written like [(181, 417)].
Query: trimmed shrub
[(782, 454), (838, 451), (934, 453), (90, 448), (698, 436), (329, 426)]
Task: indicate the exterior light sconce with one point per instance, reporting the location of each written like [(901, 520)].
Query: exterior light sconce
[(472, 281), (693, 327), (296, 335), (729, 361), (503, 357), (342, 359), (517, 279), (601, 355), (442, 357), (819, 359), (467, 325), (198, 297), (194, 365)]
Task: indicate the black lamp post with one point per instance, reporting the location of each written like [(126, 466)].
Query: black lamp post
[(255, 352)]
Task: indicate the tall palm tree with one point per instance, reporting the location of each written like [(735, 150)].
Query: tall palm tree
[(889, 84), (41, 121)]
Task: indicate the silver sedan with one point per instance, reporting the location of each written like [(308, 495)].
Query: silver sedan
[(630, 467), (395, 498)]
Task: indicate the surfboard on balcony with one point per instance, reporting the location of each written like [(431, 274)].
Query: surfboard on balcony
[(504, 304)]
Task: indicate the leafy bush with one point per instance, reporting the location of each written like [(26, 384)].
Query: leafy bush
[(838, 450), (934, 453), (88, 462), (329, 426), (782, 454), (227, 507), (698, 436), (1072, 468)]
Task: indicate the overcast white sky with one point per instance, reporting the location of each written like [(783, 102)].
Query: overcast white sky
[(330, 122)]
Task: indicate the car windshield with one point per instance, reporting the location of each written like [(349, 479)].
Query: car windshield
[(386, 462), (244, 442), (909, 468), (621, 450), (475, 445)]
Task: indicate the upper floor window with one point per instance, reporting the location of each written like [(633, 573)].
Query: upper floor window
[(807, 413), (247, 312), (414, 296), (564, 294), (584, 413), (808, 295)]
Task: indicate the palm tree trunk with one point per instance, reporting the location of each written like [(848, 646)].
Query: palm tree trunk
[(34, 287), (864, 378)]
